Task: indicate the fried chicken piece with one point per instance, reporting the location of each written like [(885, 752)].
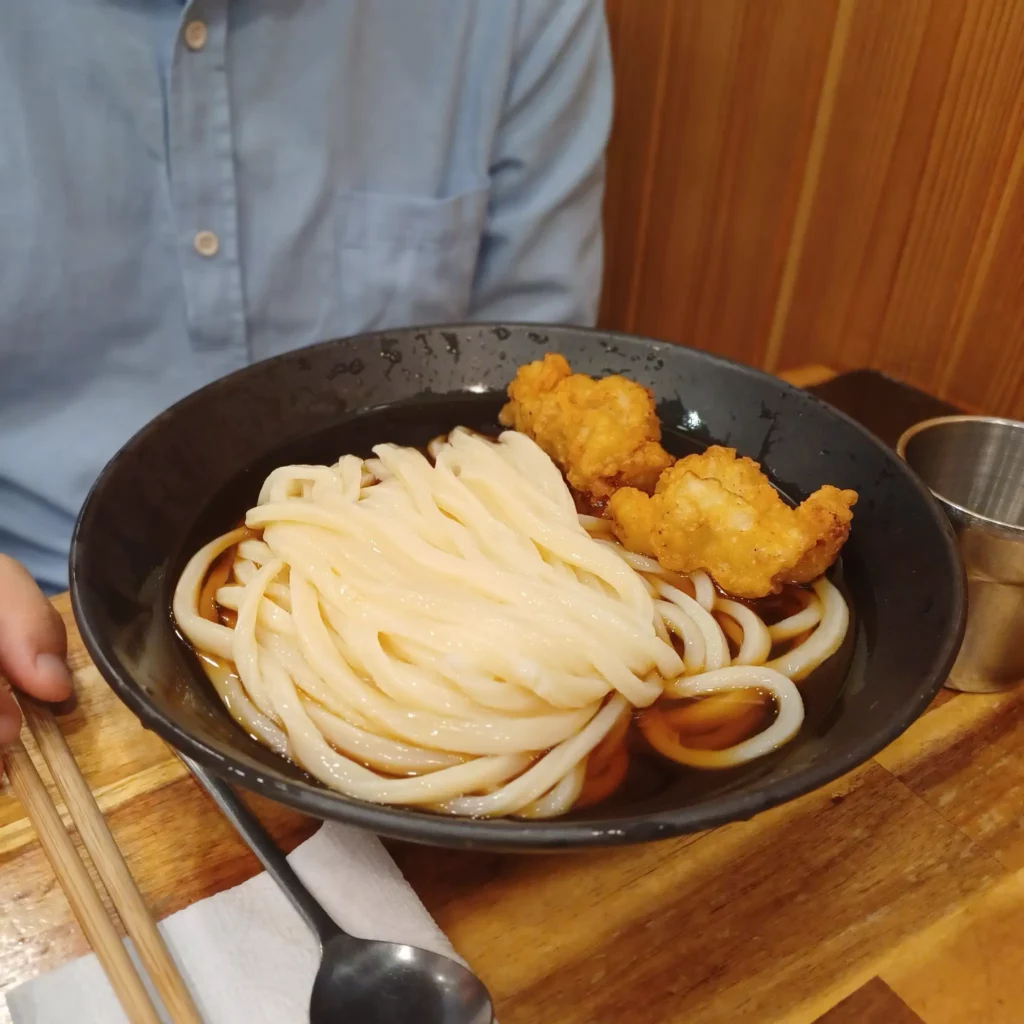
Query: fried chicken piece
[(604, 434), (720, 513)]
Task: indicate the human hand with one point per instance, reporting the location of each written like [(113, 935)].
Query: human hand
[(33, 646)]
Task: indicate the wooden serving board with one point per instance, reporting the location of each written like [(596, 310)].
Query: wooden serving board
[(893, 896)]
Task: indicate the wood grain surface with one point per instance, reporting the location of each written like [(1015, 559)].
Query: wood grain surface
[(836, 181), (893, 896)]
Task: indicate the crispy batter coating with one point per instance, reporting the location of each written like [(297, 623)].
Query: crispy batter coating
[(712, 511), (720, 513), (605, 434)]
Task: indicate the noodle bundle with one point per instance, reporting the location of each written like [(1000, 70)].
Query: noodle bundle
[(448, 633)]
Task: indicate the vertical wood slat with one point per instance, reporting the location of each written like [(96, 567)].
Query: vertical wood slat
[(640, 36), (837, 183), (809, 187), (651, 158), (986, 367)]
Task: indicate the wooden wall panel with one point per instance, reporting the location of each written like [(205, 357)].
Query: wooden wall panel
[(641, 36), (987, 366), (829, 181), (865, 194)]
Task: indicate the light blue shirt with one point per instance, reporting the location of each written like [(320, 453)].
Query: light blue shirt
[(185, 188)]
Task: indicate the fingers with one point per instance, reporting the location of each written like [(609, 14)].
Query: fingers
[(10, 720), (33, 644)]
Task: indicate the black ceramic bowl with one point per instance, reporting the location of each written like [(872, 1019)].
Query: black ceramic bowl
[(198, 466)]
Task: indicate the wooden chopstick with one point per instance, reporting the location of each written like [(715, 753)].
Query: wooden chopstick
[(77, 885), (110, 864)]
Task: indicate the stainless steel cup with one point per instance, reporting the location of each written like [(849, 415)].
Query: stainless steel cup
[(974, 466)]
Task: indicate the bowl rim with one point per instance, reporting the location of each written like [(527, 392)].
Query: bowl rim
[(503, 833), (962, 513)]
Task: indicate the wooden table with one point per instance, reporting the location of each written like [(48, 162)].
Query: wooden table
[(895, 895)]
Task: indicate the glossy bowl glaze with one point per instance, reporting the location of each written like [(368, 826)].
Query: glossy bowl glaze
[(198, 466)]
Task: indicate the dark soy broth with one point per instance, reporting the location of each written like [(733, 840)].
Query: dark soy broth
[(650, 774), (414, 424)]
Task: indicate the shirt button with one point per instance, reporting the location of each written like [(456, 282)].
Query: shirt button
[(195, 35), (206, 243)]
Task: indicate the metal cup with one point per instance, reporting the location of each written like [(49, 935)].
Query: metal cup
[(974, 466)]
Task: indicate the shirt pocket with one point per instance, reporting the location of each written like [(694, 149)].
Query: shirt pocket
[(403, 260)]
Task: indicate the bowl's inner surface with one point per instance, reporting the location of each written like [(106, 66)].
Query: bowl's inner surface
[(196, 469), (976, 464), (652, 780)]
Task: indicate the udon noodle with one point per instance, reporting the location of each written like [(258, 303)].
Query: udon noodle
[(448, 633)]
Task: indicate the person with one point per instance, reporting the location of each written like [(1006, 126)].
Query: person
[(190, 185)]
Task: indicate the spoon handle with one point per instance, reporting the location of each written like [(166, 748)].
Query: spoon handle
[(320, 922)]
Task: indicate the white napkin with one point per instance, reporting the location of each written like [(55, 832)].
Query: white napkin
[(245, 953)]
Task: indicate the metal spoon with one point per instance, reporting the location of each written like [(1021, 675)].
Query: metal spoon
[(360, 981)]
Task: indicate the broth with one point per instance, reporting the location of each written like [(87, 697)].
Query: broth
[(648, 773)]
